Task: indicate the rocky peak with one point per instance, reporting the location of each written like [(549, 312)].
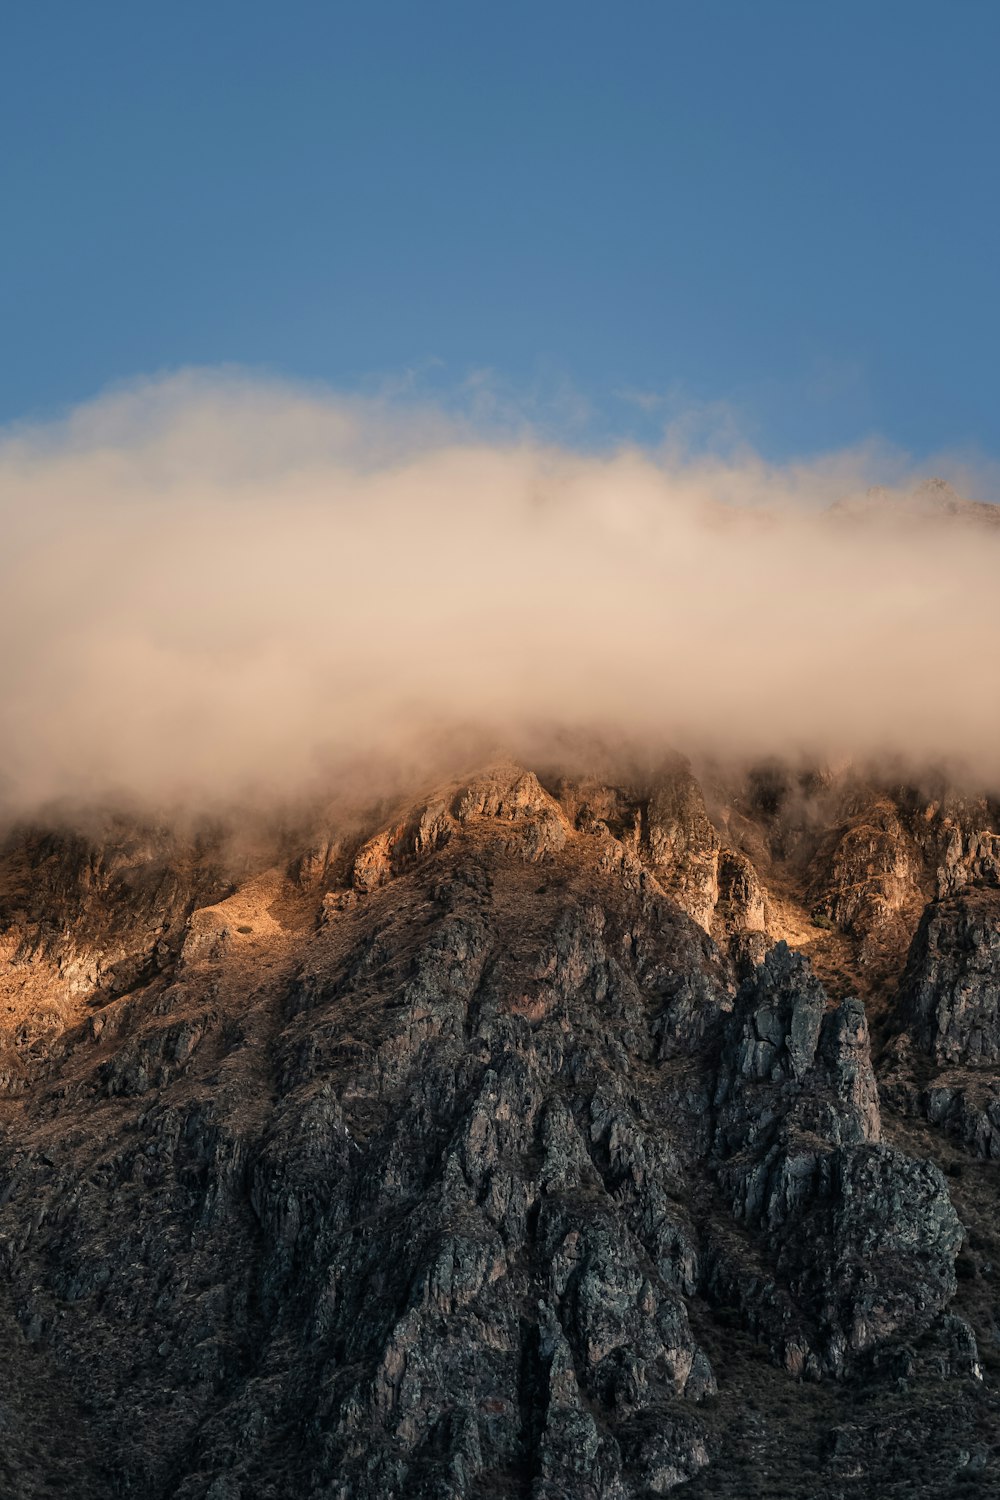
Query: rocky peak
[(448, 1157)]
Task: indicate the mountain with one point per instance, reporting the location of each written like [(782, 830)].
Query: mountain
[(931, 500), (548, 1137)]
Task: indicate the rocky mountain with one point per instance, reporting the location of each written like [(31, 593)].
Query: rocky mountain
[(548, 1137), (931, 500)]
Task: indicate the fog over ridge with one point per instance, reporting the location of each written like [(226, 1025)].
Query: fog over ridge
[(214, 585)]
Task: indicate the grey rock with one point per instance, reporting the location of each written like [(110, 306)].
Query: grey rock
[(950, 994), (465, 1167)]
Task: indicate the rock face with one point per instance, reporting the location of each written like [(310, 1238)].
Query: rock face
[(682, 846), (865, 878), (944, 1062), (950, 994), (459, 1160), (866, 1237)]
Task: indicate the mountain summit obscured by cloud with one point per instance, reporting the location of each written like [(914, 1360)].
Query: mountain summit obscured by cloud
[(214, 586)]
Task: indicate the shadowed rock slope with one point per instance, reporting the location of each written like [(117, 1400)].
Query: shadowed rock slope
[(530, 1145)]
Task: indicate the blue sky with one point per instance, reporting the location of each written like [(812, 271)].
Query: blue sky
[(781, 216)]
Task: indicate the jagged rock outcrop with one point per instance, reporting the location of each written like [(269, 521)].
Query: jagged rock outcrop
[(865, 878), (532, 822), (681, 845), (454, 1160), (950, 994), (865, 1238), (969, 855), (943, 1061)]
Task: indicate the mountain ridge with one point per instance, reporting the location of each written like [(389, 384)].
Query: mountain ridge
[(512, 1145)]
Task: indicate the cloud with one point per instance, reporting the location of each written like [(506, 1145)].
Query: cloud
[(215, 585)]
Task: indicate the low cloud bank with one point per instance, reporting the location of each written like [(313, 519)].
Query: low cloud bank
[(214, 587)]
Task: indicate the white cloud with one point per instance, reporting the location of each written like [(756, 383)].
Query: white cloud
[(212, 583)]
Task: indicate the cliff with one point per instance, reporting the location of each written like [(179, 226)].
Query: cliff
[(547, 1137)]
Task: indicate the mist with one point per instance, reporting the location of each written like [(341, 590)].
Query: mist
[(215, 587)]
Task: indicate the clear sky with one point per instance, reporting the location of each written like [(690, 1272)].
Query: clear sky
[(785, 212)]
